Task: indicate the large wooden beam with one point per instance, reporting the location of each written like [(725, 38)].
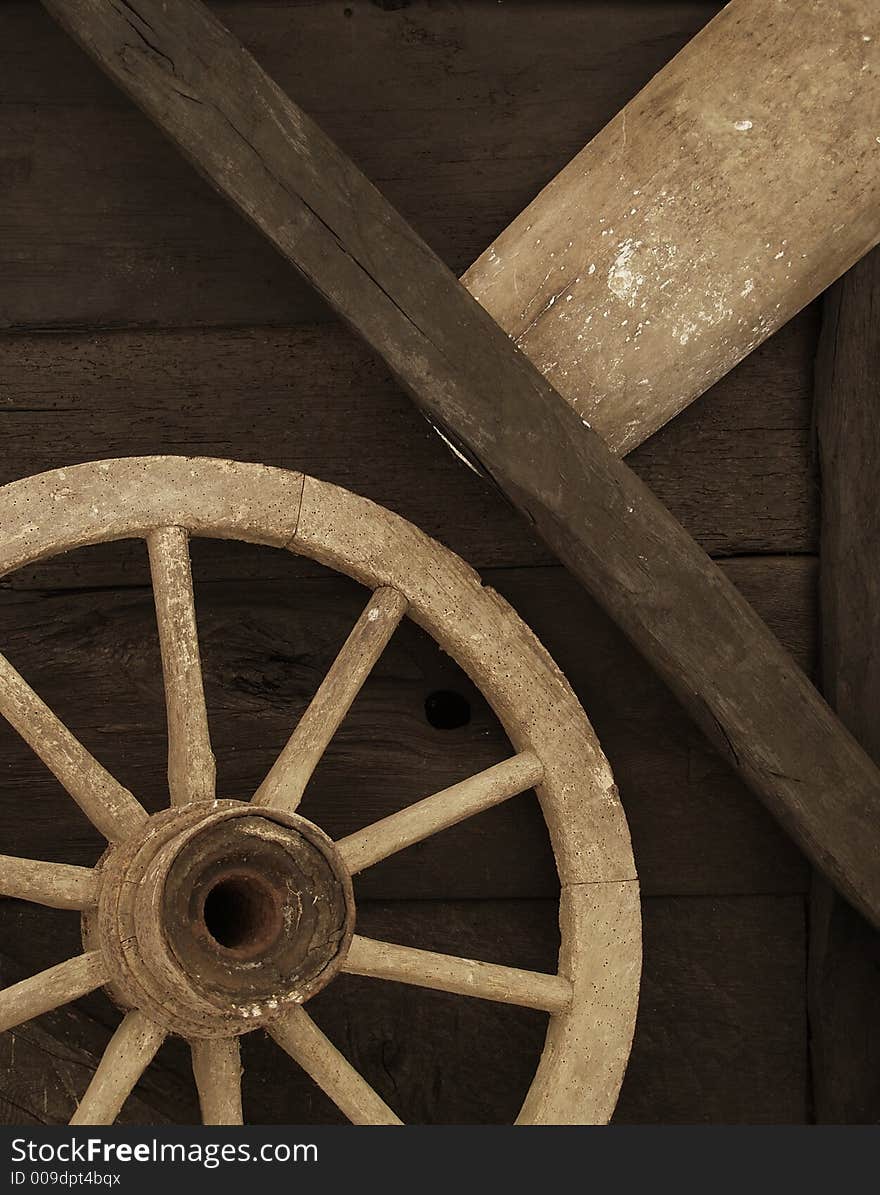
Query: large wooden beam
[(844, 979), (733, 189), (187, 72)]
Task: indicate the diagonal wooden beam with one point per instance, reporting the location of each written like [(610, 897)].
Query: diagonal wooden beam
[(210, 96)]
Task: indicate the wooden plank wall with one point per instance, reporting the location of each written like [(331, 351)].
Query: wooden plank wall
[(140, 315), (844, 979)]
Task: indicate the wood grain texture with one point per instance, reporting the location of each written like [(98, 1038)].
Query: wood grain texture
[(721, 1037), (844, 949), (129, 1052), (504, 118), (300, 1037), (284, 174), (191, 768), (56, 885), (51, 988), (109, 806), (510, 93), (286, 781), (217, 1072), (265, 649), (701, 218), (735, 468), (43, 1076), (46, 1065)]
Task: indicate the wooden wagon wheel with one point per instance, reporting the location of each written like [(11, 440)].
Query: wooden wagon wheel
[(215, 917)]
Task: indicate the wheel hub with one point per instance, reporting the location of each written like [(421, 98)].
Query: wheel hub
[(221, 915)]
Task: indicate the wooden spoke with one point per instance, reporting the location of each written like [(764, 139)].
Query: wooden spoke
[(57, 885), (130, 1051), (464, 976), (217, 1069), (191, 768), (298, 1034), (383, 838), (108, 806), (284, 786), (51, 988)]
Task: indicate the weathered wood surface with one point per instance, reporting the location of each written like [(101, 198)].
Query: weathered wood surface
[(109, 806), (298, 1035), (735, 964), (844, 949), (282, 172), (129, 1052), (217, 1072), (191, 769), (740, 183), (545, 991), (503, 120), (265, 649), (52, 988), (375, 80), (56, 885), (508, 100), (286, 781), (735, 469), (441, 810), (48, 1063), (43, 1076)]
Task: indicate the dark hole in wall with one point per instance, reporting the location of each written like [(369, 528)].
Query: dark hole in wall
[(447, 710)]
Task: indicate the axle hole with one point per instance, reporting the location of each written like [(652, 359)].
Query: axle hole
[(242, 914), (447, 710)]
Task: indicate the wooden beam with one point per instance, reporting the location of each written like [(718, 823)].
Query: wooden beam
[(191, 76), (844, 972), (724, 197)]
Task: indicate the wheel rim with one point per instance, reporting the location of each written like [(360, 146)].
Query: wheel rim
[(592, 999)]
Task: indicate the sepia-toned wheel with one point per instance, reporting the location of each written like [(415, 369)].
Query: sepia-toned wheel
[(215, 917)]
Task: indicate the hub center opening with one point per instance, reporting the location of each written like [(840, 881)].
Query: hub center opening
[(242, 913)]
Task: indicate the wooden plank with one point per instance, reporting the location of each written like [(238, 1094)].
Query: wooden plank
[(845, 950), (738, 185), (265, 649), (510, 93), (735, 470), (721, 1035), (193, 77), (43, 1076)]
